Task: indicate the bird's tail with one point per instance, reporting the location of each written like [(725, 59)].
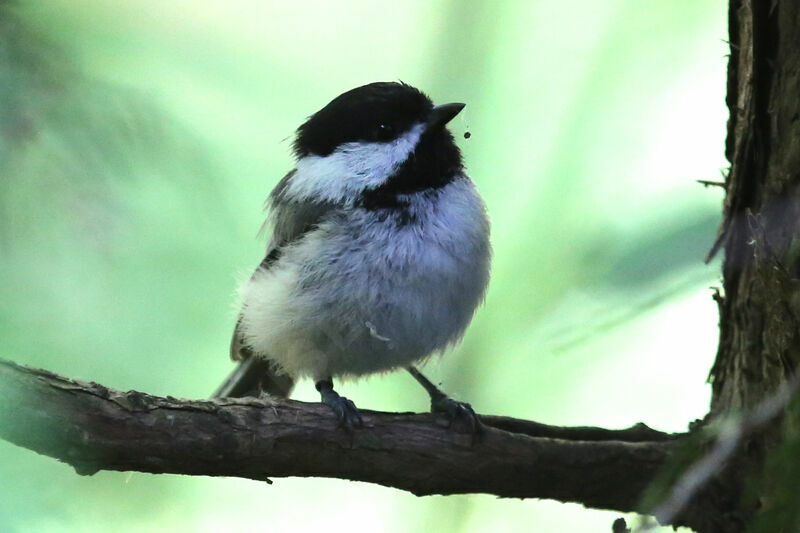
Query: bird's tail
[(252, 377)]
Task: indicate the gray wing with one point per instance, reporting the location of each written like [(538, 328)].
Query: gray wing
[(289, 220), (292, 219)]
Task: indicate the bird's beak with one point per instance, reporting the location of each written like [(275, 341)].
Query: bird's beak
[(442, 114)]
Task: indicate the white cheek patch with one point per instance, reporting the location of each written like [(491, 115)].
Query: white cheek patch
[(352, 168)]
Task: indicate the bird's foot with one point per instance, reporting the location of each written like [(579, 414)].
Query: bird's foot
[(459, 413), (344, 409)]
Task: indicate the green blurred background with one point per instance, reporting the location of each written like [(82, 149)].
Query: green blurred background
[(138, 140)]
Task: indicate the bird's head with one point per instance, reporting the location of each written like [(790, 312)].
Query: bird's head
[(383, 138)]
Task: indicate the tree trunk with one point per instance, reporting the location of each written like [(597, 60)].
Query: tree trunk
[(759, 345)]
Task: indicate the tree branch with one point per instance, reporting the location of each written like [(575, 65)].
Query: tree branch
[(93, 428)]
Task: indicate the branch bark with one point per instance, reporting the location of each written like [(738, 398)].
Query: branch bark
[(92, 428)]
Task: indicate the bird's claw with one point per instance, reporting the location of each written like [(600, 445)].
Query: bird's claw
[(459, 412), (344, 409)]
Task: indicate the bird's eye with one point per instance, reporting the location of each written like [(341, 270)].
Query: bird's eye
[(384, 132)]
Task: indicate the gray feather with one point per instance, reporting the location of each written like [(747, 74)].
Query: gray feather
[(290, 220)]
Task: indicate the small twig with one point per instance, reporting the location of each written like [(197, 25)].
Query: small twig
[(711, 183), (734, 46)]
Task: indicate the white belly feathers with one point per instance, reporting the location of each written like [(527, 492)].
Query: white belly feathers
[(372, 291)]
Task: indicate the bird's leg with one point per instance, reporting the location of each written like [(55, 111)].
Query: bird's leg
[(344, 409), (442, 403)]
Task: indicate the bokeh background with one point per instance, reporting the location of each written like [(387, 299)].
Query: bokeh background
[(138, 140)]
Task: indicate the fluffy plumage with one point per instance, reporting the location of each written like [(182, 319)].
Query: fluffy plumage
[(366, 291), (379, 251)]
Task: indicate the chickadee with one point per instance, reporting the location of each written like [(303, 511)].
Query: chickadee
[(379, 253)]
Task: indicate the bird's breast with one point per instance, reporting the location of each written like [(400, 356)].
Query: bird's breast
[(408, 278), (369, 291)]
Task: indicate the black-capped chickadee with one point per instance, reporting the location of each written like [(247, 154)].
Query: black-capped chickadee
[(379, 253)]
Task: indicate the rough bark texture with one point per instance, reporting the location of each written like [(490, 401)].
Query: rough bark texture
[(95, 428), (759, 340), (759, 344)]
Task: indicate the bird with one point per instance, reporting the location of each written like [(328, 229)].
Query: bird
[(378, 257)]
